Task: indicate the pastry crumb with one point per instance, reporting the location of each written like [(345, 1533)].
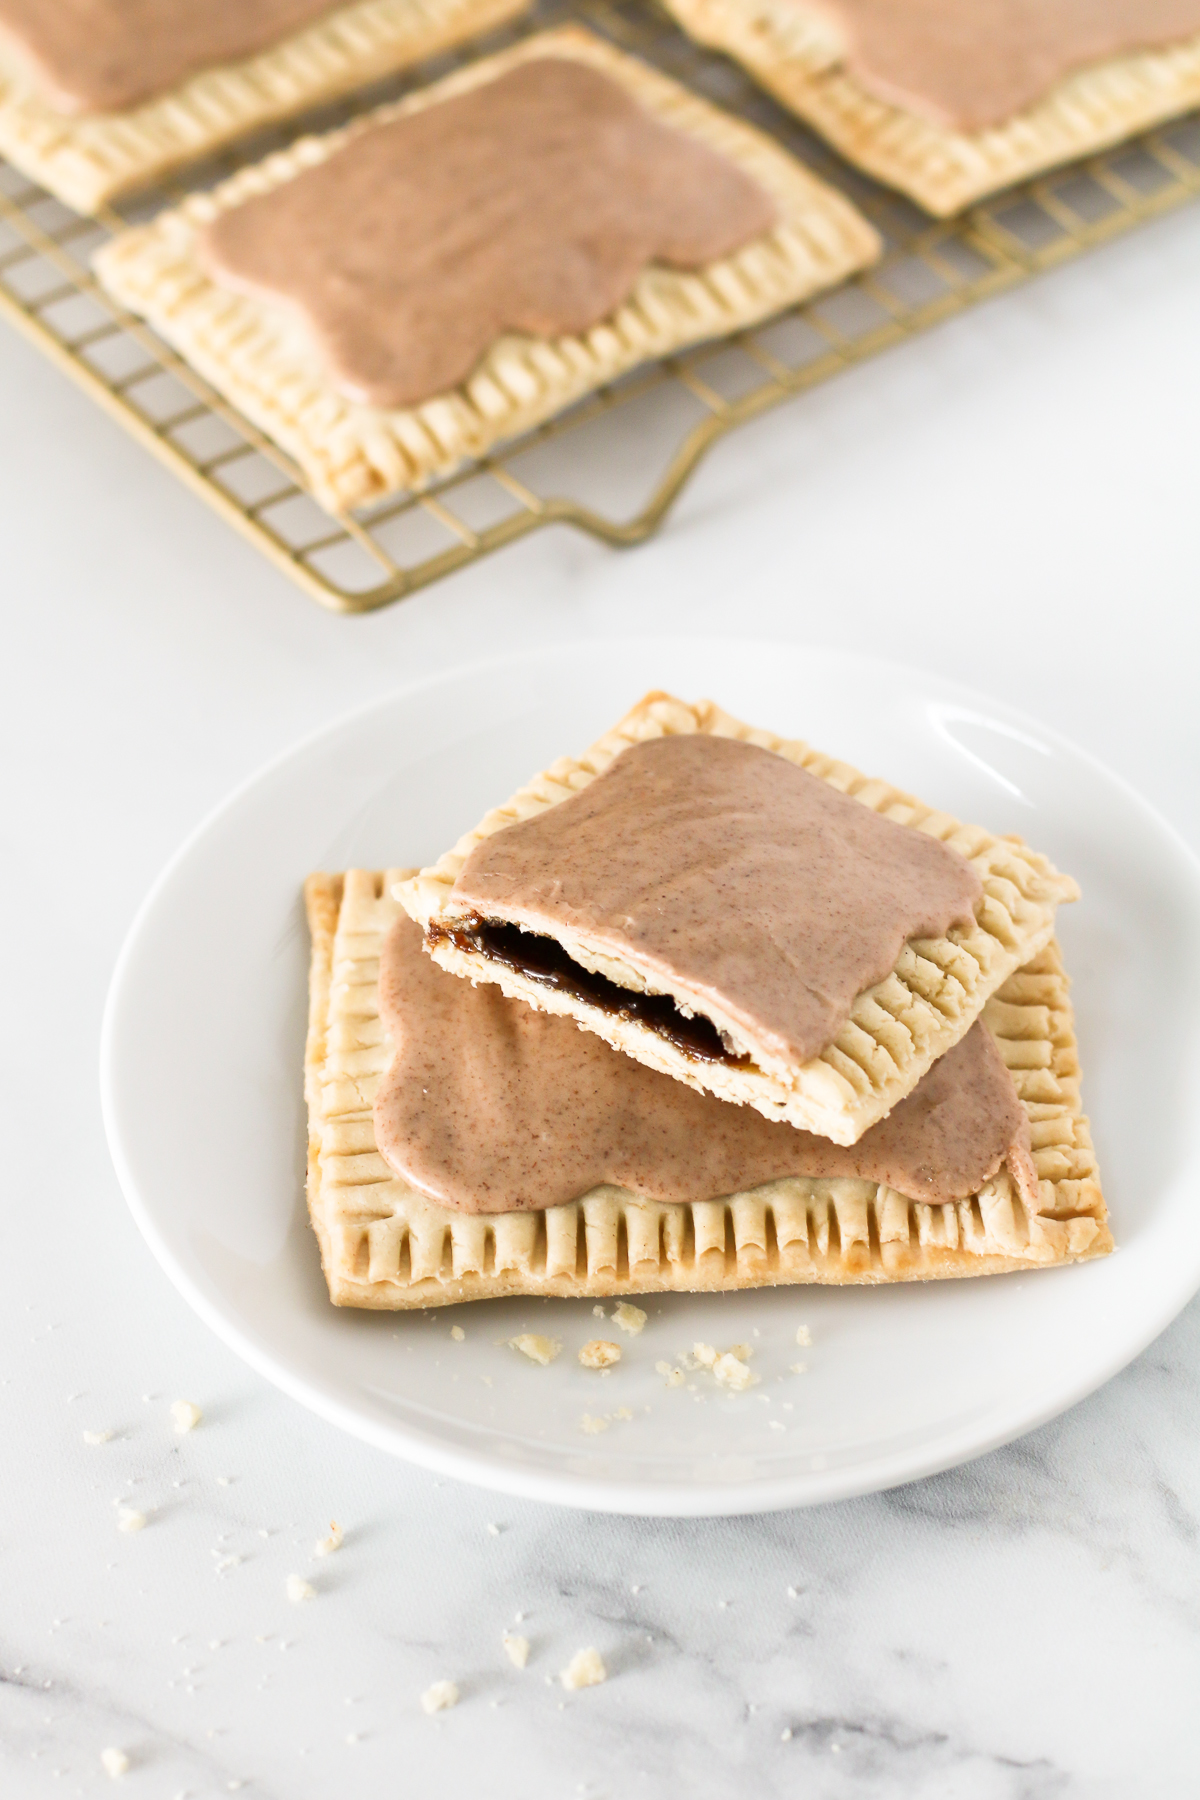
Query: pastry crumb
[(776, 1425), (785, 1736), (598, 1312), (797, 1368), (704, 1356), (585, 1669), (598, 1353), (516, 1648), (537, 1348), (622, 1412), (130, 1519), (99, 1437), (185, 1415), (803, 1337), (493, 1529), (593, 1425), (327, 1545), (457, 1333), (440, 1697), (629, 1318), (733, 1373), (299, 1590), (743, 1352), (114, 1762), (672, 1377)]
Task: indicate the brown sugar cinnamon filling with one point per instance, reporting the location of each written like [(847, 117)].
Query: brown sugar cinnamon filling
[(543, 960)]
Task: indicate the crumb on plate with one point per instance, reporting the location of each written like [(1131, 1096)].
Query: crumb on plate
[(537, 1348)]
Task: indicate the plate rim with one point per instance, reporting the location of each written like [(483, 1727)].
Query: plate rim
[(625, 1497)]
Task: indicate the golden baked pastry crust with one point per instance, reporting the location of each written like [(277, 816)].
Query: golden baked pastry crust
[(796, 54), (351, 453), (383, 1245), (896, 1030), (90, 159)]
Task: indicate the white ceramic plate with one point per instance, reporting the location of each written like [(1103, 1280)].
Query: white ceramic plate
[(201, 1076)]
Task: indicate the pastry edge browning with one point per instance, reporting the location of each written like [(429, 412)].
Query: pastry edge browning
[(797, 56), (384, 1246), (352, 454), (87, 160), (896, 1030)]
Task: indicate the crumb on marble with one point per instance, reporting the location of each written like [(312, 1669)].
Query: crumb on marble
[(440, 1696), (299, 1590), (327, 1545), (185, 1416), (114, 1762), (585, 1669), (537, 1348), (99, 1437), (494, 1530), (516, 1648), (598, 1353), (130, 1519)]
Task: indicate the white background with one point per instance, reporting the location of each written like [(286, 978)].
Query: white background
[(1011, 501)]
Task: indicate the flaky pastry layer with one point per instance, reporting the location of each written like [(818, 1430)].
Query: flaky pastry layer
[(87, 160), (384, 1245), (897, 1029), (796, 53), (351, 453)]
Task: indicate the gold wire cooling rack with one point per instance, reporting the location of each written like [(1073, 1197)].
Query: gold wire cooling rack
[(614, 463)]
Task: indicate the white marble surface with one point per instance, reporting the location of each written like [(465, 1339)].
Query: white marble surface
[(1011, 501)]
